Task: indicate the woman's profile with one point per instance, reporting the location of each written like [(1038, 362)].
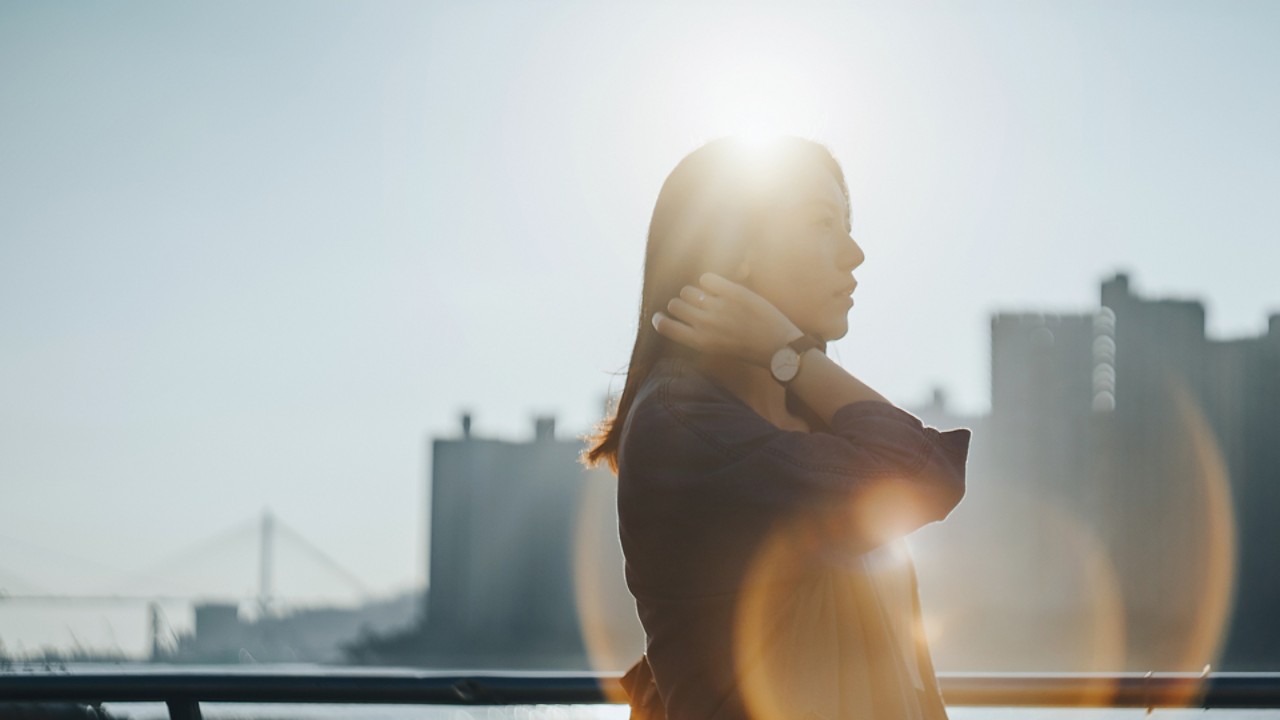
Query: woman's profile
[(763, 490)]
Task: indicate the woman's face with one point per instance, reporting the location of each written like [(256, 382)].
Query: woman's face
[(804, 263)]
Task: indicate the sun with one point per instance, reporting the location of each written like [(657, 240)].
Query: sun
[(762, 74)]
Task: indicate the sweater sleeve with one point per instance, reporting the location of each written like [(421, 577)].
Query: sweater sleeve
[(879, 473)]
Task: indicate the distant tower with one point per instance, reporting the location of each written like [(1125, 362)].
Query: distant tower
[(544, 428), (266, 562), (157, 649)]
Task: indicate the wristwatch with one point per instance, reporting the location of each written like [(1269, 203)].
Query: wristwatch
[(786, 361)]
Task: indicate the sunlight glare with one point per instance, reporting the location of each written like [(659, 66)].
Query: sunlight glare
[(759, 77)]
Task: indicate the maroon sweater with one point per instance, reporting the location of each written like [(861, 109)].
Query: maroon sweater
[(767, 565)]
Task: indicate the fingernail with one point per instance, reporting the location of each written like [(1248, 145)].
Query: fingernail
[(655, 319)]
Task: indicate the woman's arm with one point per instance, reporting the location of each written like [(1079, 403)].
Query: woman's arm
[(826, 387), (891, 473), (702, 465), (723, 317)]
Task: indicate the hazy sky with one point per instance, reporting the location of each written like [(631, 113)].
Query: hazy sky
[(257, 254)]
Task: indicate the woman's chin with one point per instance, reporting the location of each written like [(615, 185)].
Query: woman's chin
[(836, 330)]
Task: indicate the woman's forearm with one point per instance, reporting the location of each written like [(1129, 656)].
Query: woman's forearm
[(722, 317), (826, 387)]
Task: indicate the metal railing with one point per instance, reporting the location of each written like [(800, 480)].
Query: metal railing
[(183, 692)]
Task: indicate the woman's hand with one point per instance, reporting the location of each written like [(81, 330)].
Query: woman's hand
[(721, 317)]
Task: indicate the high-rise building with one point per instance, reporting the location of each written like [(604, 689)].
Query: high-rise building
[(525, 567), (1156, 445), (1123, 491)]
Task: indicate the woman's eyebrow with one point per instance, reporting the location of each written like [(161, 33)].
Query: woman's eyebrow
[(839, 210)]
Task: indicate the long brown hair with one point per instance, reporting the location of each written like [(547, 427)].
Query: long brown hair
[(707, 215)]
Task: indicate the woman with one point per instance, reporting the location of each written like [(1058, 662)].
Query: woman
[(763, 490)]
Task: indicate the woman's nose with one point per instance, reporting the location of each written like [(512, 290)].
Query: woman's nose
[(851, 255)]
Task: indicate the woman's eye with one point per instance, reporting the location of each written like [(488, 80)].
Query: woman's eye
[(825, 222)]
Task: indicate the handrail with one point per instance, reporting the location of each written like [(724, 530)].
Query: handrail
[(183, 691)]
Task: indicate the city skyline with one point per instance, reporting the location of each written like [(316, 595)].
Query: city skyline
[(1047, 439)]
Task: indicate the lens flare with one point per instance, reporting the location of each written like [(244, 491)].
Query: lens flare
[(1099, 627), (1215, 555), (611, 632), (804, 620)]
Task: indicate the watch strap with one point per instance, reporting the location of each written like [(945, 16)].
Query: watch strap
[(805, 343)]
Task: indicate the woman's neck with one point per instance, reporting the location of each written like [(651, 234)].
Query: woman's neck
[(755, 386)]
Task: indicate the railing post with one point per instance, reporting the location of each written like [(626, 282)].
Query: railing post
[(184, 709)]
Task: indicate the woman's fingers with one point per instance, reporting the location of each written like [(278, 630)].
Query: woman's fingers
[(676, 330), (694, 296), (682, 310), (720, 285), (720, 316)]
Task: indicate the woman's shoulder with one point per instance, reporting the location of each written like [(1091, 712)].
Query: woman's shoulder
[(678, 388), (680, 409)]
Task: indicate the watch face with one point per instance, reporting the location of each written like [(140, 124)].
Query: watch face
[(785, 364)]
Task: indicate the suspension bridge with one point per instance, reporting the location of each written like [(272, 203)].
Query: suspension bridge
[(216, 569)]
